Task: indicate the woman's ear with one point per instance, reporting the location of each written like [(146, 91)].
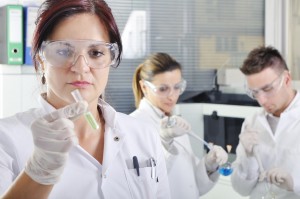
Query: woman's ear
[(143, 87)]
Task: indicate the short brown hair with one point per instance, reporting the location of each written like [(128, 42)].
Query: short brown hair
[(261, 58)]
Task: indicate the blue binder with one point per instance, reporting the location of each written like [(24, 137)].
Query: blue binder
[(30, 14)]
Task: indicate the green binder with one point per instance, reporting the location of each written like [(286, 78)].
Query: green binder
[(11, 34)]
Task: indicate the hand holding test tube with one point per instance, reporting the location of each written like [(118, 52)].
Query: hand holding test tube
[(88, 115)]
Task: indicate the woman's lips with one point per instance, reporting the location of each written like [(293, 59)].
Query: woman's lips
[(170, 104), (80, 84)]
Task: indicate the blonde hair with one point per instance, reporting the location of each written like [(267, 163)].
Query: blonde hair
[(156, 63)]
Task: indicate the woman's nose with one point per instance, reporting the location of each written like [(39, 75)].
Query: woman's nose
[(80, 64)]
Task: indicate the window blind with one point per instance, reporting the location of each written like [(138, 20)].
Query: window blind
[(201, 34)]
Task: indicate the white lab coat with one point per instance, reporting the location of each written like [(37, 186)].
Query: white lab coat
[(187, 174), (83, 176), (281, 149)]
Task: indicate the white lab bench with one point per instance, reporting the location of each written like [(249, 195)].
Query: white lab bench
[(194, 112), (222, 189)]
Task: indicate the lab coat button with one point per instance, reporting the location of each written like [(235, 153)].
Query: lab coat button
[(116, 138)]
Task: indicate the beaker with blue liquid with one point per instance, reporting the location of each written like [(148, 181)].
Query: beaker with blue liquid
[(226, 169)]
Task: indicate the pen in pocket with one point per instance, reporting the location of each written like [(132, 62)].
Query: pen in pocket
[(153, 167), (136, 165)]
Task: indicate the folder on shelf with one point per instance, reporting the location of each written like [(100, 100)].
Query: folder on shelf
[(11, 34), (30, 14)]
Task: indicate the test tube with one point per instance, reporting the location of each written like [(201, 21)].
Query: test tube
[(88, 115)]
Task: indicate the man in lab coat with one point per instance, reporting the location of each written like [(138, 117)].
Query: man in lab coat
[(268, 154)]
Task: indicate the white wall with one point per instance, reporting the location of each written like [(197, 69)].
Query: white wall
[(21, 2), (19, 88)]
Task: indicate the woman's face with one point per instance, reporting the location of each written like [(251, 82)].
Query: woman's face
[(170, 80), (62, 80)]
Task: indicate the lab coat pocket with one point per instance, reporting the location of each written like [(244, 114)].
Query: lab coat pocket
[(142, 179)]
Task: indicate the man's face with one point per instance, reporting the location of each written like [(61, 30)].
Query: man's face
[(270, 88)]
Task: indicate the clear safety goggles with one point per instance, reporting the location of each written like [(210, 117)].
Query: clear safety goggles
[(65, 53), (268, 90), (166, 90)]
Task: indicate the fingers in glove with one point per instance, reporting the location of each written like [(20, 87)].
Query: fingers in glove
[(59, 140), (71, 111), (179, 128), (54, 129), (249, 139), (220, 155), (182, 123), (280, 177), (165, 122), (273, 176), (61, 146)]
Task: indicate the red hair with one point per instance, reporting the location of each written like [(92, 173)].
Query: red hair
[(52, 12)]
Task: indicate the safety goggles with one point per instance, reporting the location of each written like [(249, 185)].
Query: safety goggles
[(65, 53), (268, 90), (166, 90)]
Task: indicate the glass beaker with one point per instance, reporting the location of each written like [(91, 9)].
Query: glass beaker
[(226, 169)]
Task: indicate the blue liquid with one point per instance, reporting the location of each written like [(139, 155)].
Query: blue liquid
[(225, 171)]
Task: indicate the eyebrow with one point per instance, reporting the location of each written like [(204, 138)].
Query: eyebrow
[(267, 85), (62, 43), (163, 84)]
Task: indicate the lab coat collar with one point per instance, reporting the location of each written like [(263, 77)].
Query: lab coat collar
[(114, 135), (293, 112), (294, 103), (45, 105), (293, 106), (109, 114), (146, 104)]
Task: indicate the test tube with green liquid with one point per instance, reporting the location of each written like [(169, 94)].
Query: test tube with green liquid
[(88, 115)]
